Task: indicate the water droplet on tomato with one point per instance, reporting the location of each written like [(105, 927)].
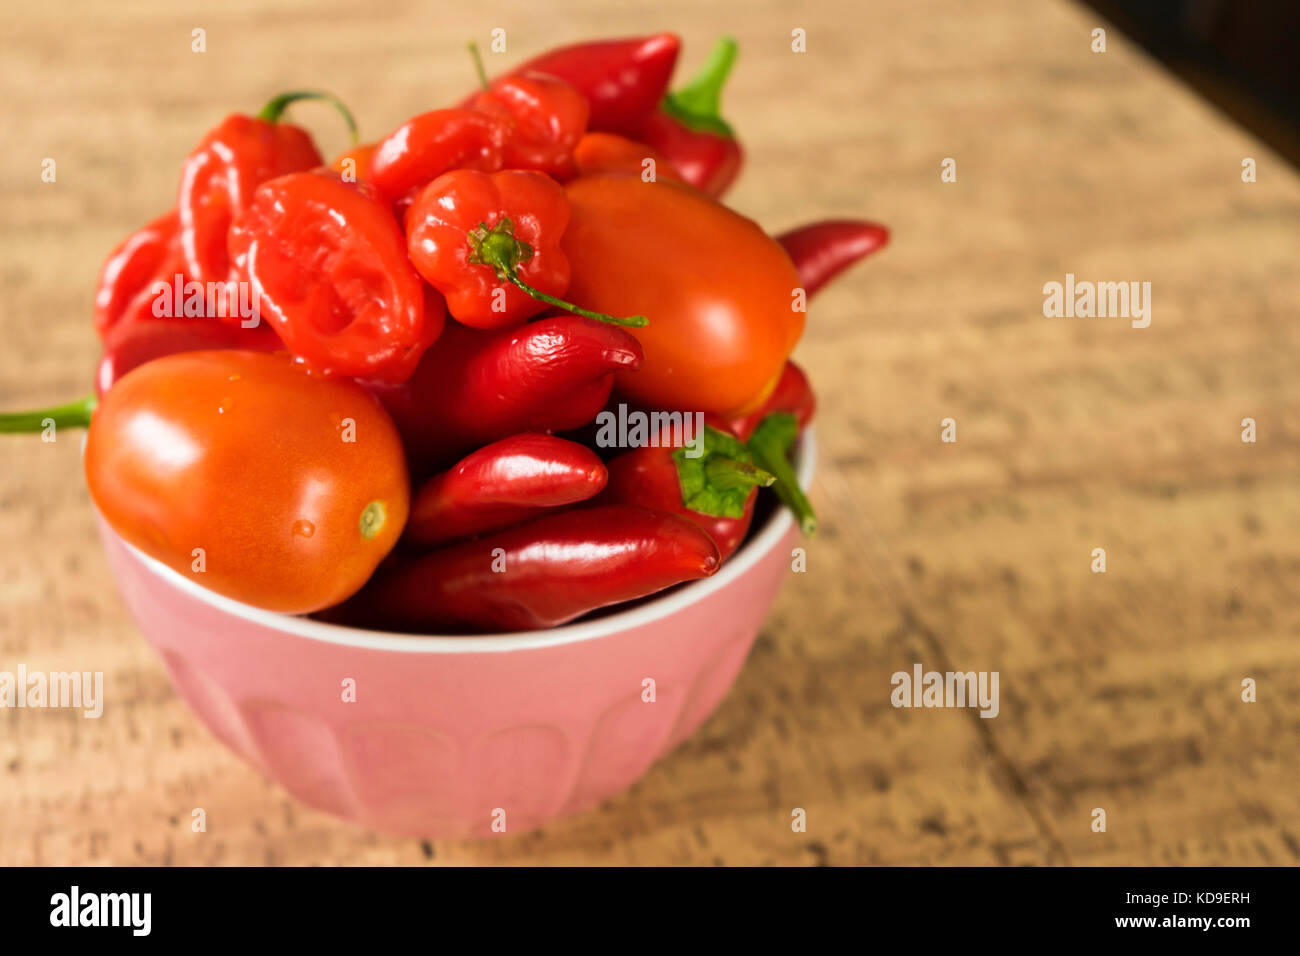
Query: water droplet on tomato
[(226, 405), (304, 527)]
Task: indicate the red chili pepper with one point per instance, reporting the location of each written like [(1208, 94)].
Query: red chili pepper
[(423, 148), (474, 387), (622, 80), (546, 116), (219, 177), (125, 290), (822, 250), (540, 574), (793, 394), (490, 243), (129, 345), (600, 153), (502, 484), (326, 263), (715, 489), (688, 129)]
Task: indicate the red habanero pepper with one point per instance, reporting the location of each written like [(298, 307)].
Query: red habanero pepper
[(546, 116), (125, 290), (547, 572), (600, 153), (689, 130), (433, 143), (793, 394), (822, 250), (490, 243), (219, 177), (473, 387), (716, 489), (326, 265), (131, 344), (502, 484), (623, 80)]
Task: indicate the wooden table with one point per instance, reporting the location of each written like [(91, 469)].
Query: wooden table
[(1119, 691)]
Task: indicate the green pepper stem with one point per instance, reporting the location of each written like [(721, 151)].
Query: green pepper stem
[(275, 107), (72, 415), (628, 321), (724, 473), (498, 249), (698, 104), (770, 454), (478, 66)]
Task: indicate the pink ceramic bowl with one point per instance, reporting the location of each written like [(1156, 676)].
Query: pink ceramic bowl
[(448, 734)]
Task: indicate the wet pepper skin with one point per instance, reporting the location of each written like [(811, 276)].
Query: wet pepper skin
[(243, 455)]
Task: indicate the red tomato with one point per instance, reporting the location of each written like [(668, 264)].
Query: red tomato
[(247, 457), (718, 291)]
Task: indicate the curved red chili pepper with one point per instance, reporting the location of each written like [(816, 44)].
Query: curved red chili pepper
[(125, 289), (690, 131), (623, 80), (542, 573), (326, 264), (129, 345), (822, 250), (473, 387), (433, 143), (502, 484), (218, 180)]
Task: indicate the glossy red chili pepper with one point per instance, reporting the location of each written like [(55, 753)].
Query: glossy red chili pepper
[(822, 250), (326, 263), (793, 394), (125, 289), (688, 129), (433, 143), (546, 117), (219, 177), (716, 489), (623, 80), (539, 574), (129, 345), (599, 153), (502, 484), (474, 387)]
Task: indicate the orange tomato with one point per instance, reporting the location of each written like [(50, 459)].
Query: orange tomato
[(250, 476), (718, 291)]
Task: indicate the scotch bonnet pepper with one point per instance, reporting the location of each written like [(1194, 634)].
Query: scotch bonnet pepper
[(326, 264), (220, 175)]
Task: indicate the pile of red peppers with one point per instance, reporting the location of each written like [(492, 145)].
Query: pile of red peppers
[(476, 287)]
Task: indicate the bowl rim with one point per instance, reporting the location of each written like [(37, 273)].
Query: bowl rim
[(758, 546)]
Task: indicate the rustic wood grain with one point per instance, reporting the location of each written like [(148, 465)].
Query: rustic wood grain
[(1119, 690)]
